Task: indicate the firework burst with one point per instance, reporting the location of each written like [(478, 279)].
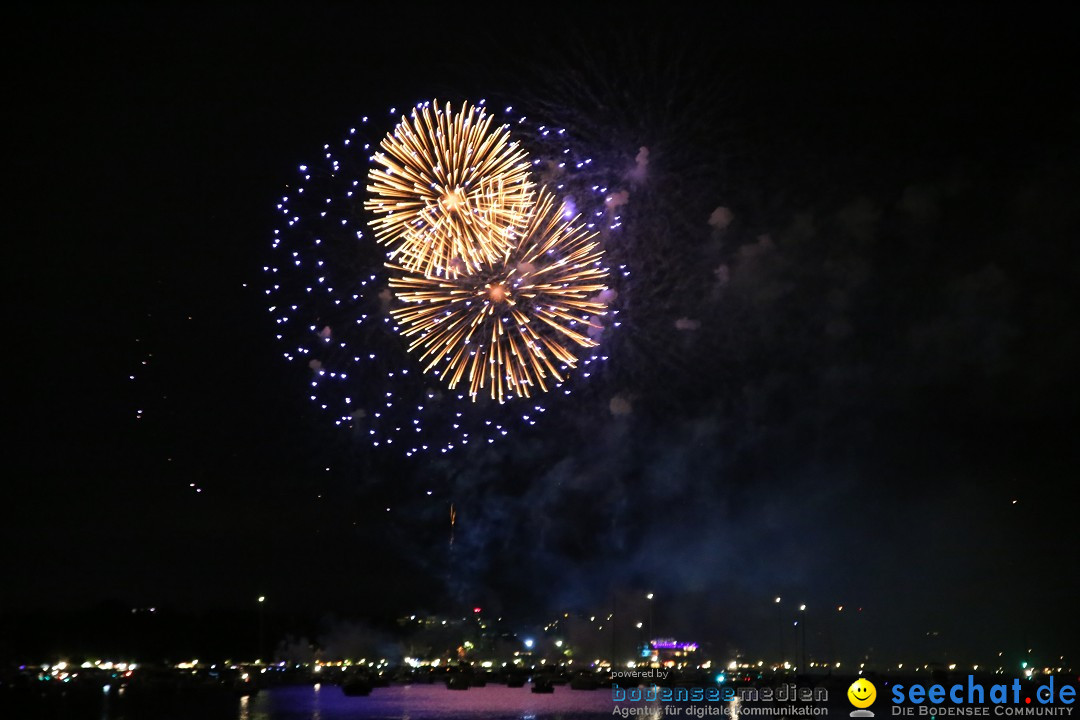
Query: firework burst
[(449, 193), (327, 291), (512, 326)]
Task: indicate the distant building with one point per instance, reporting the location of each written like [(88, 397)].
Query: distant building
[(664, 650)]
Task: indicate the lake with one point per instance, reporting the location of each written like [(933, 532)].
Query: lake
[(416, 702)]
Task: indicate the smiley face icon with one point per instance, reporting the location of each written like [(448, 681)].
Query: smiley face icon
[(862, 693)]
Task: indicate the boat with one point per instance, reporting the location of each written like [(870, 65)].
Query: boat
[(356, 687), (543, 686), (457, 681)]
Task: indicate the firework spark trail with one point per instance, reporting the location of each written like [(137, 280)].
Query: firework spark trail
[(451, 193), (509, 326)]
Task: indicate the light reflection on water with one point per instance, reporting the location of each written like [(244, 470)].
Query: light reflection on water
[(423, 702)]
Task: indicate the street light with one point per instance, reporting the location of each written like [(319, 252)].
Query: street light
[(802, 663), (262, 626), (780, 624), (649, 597)]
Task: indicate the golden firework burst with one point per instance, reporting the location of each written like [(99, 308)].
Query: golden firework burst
[(451, 193), (512, 325)]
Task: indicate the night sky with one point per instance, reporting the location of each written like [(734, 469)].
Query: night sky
[(855, 387)]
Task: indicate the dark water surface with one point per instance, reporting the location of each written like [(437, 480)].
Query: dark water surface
[(416, 702)]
